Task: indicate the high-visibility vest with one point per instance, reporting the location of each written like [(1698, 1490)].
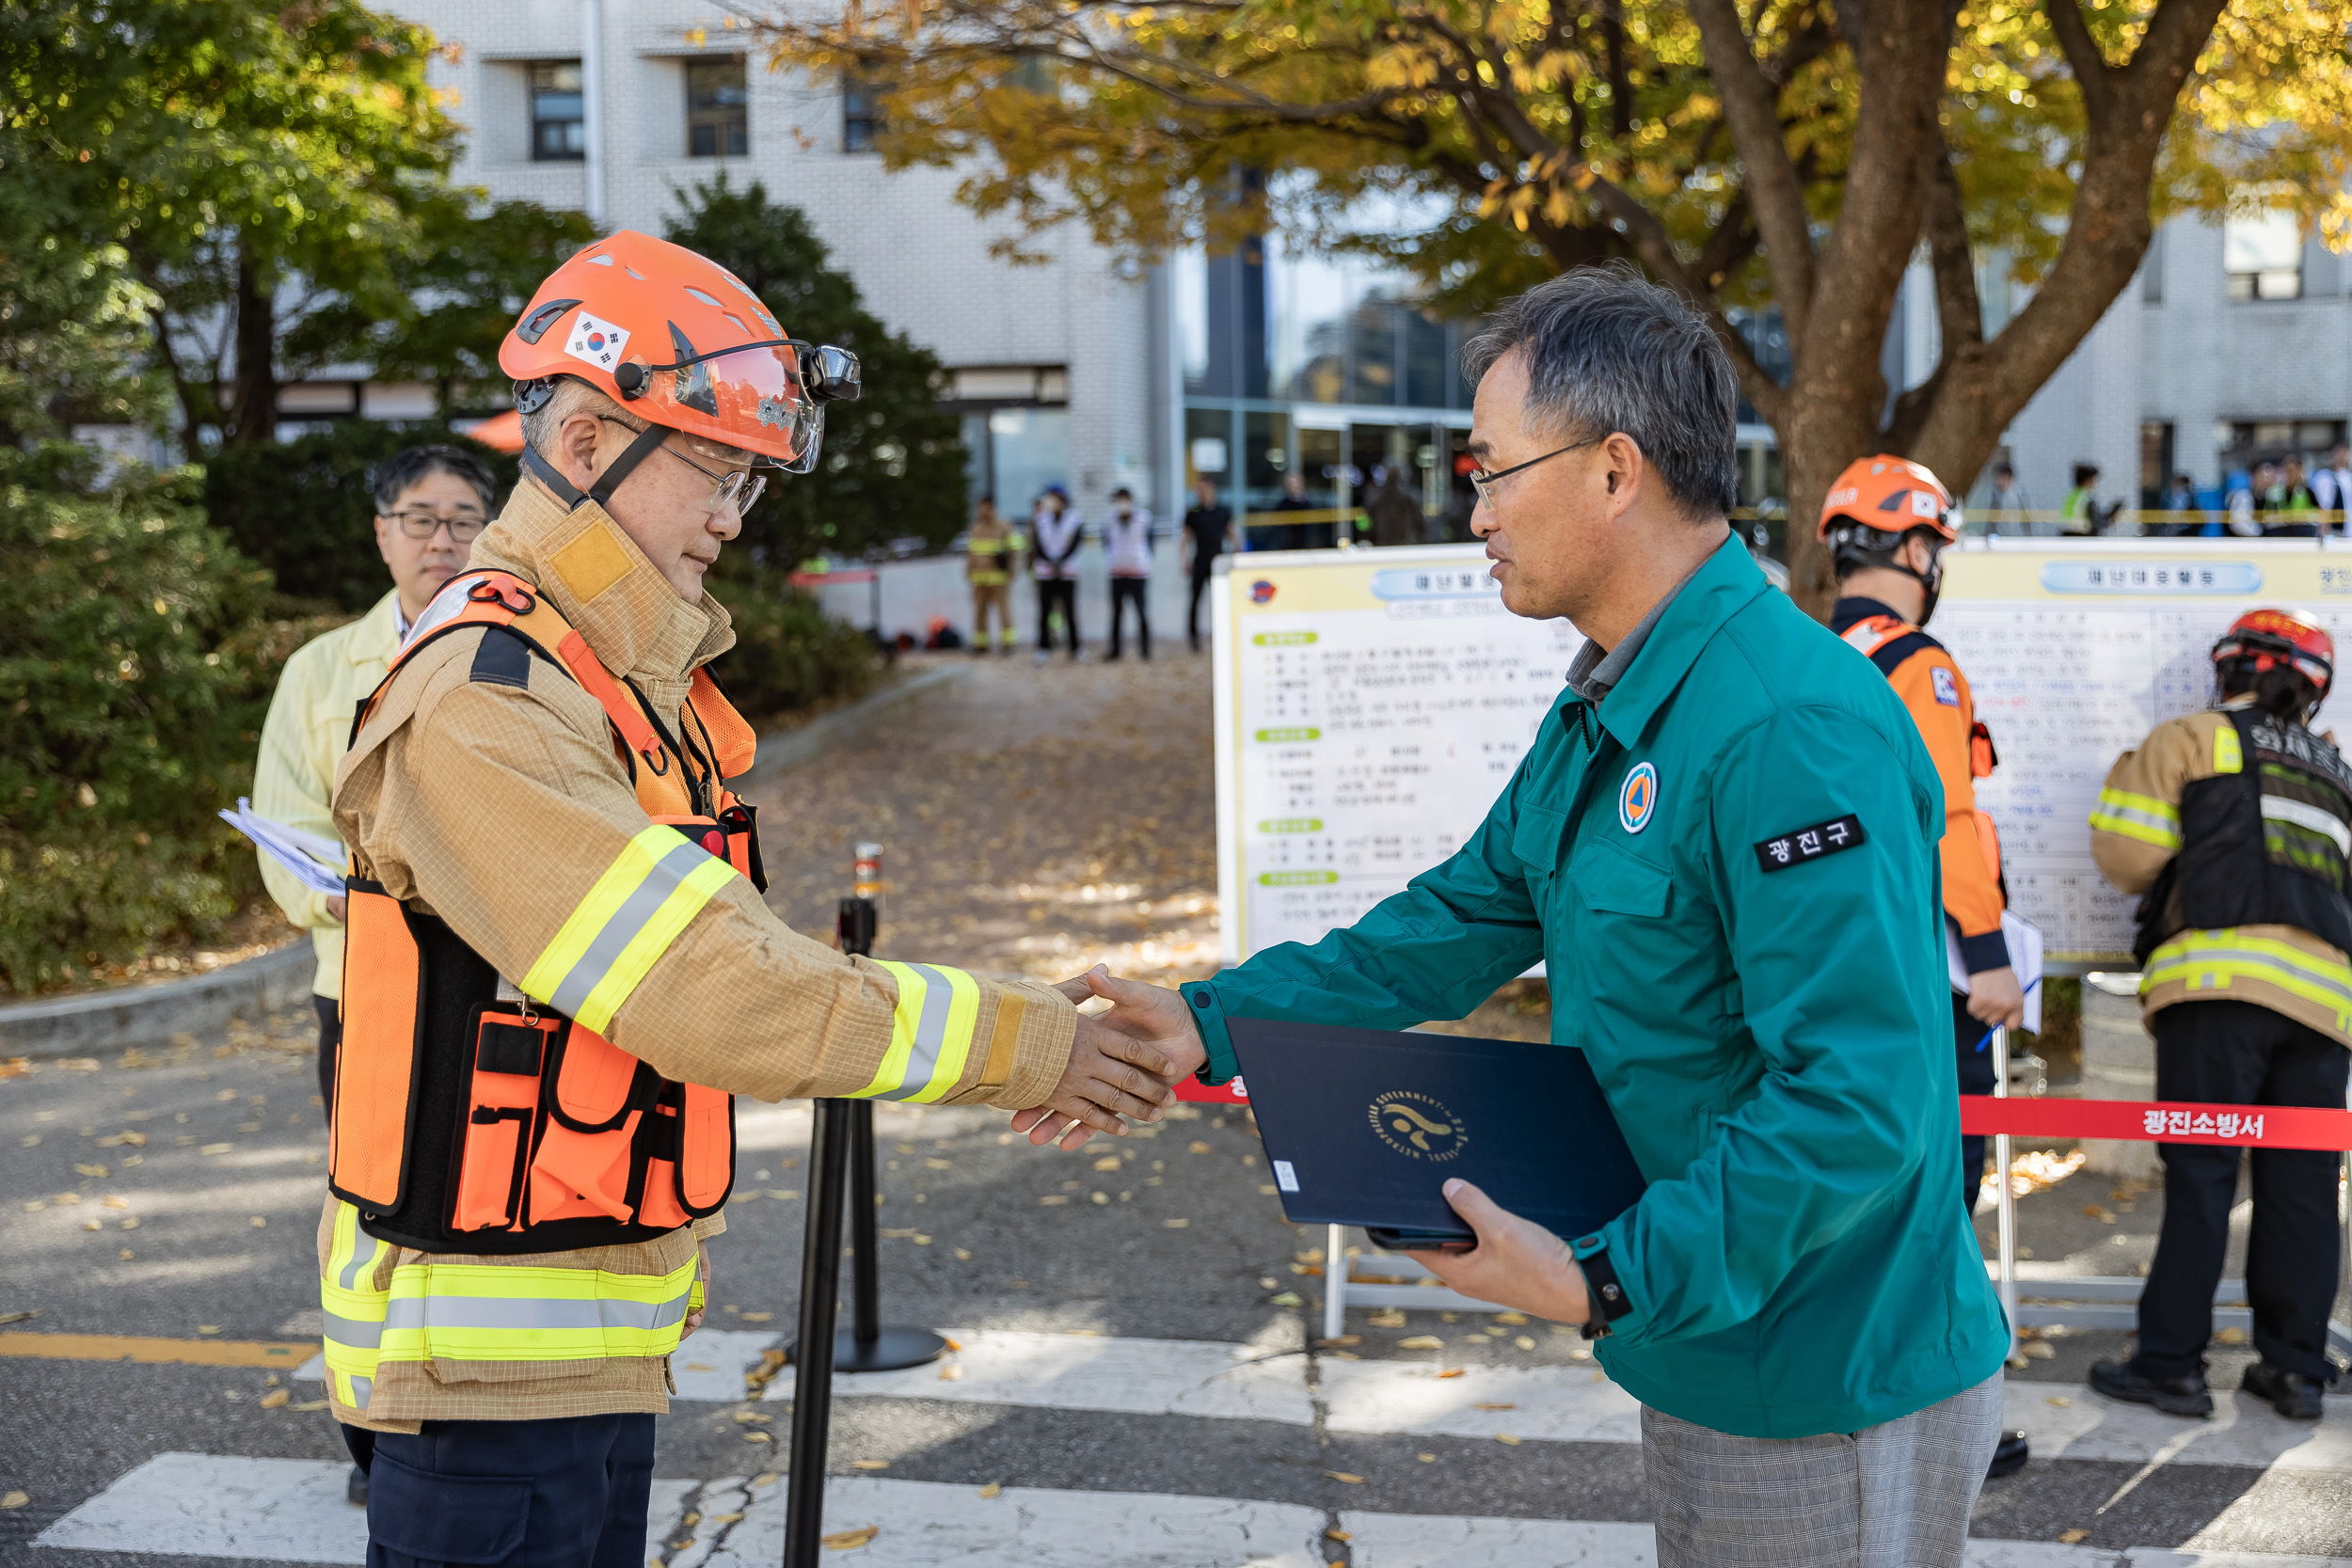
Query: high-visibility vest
[(1887, 642), (2264, 840), (470, 1118), (991, 558)]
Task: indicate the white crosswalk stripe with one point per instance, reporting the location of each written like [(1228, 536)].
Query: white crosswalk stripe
[(288, 1511), (293, 1510)]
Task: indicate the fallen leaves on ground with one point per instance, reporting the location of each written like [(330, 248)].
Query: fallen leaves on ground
[(848, 1540), (1174, 1224), (1344, 1479), (2059, 1399), (1506, 1439), (15, 1499), (993, 1489), (1420, 1341), (275, 1398), (869, 1465), (2069, 1537), (1510, 1407)]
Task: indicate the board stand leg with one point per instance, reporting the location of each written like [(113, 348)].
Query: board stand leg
[(2006, 1199), (1334, 1285), (866, 1345)]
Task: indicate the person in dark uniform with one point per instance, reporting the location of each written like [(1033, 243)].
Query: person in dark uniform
[(2233, 825), (1208, 533)]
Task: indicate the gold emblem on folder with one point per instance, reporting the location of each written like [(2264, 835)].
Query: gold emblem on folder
[(1417, 1125)]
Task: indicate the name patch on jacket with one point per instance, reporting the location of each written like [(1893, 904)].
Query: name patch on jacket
[(1946, 689), (1784, 850)]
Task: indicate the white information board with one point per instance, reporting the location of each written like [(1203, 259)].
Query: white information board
[(1369, 706), (1371, 703)]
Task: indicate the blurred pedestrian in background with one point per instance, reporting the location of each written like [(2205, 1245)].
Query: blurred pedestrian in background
[(2079, 513), (2290, 510), (1296, 536), (1055, 531), (1394, 509), (2183, 516), (990, 550), (2332, 484), (2006, 509), (430, 503), (2241, 500), (1127, 550), (1209, 532)]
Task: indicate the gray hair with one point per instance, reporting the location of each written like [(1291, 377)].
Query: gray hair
[(1609, 352)]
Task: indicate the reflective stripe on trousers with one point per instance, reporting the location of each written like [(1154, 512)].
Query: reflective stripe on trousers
[(466, 1311), (931, 1032), (2210, 960), (658, 884)]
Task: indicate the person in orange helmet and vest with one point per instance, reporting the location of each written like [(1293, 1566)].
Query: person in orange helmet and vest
[(1887, 522), (559, 971), (2233, 825)]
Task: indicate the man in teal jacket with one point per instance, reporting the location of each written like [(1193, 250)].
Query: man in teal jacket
[(1722, 843)]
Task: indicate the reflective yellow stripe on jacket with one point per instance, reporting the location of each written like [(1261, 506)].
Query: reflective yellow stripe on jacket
[(2140, 816), (2212, 961), (459, 1311), (353, 1310), (931, 1032), (637, 906)]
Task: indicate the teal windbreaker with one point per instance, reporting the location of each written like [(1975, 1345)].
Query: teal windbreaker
[(1768, 1012)]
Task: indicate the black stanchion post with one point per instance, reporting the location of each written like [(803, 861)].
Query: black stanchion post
[(812, 1372), (840, 1170)]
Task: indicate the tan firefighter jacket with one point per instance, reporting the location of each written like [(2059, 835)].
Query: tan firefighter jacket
[(504, 809)]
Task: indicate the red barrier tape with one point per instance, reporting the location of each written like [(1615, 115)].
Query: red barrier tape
[(2159, 1121)]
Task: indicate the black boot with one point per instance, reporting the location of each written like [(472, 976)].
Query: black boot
[(2009, 1456), (2294, 1395), (2174, 1396)]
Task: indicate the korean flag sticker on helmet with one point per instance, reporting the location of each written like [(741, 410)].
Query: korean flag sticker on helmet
[(596, 341)]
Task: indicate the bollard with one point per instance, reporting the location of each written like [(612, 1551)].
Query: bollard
[(840, 1170)]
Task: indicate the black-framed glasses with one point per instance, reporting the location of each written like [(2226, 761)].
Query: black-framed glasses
[(731, 492), (420, 523), (1483, 481)]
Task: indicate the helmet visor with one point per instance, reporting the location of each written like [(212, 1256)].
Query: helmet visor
[(751, 397)]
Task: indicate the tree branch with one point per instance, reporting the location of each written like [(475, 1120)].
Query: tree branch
[(1958, 312), (1752, 109)]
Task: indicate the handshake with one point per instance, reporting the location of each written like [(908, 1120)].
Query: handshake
[(1125, 1062)]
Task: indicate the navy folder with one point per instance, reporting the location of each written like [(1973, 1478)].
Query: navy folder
[(1365, 1127)]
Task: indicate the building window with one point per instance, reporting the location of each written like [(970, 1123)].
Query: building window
[(718, 115), (861, 111), (2263, 253), (559, 127)]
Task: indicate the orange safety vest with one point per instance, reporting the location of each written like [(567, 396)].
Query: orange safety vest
[(1887, 642), (470, 1119)]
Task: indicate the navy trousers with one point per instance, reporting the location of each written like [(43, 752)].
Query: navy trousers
[(569, 1493), (1973, 1040)]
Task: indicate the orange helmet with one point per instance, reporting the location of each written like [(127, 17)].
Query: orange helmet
[(681, 342), (2270, 638), (1890, 495)]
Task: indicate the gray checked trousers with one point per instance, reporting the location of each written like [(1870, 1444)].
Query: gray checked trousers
[(1893, 1496)]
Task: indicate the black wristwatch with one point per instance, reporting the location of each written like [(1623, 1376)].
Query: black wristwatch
[(1605, 1297)]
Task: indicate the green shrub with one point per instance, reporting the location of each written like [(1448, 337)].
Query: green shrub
[(303, 508), (787, 654), (134, 677)]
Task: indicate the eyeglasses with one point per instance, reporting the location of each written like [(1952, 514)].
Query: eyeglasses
[(731, 492), (1484, 481), (417, 523)]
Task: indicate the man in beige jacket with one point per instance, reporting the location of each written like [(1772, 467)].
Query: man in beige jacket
[(497, 809)]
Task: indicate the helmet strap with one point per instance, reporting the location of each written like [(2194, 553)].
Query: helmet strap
[(601, 491)]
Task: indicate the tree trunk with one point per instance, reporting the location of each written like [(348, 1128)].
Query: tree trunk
[(253, 406)]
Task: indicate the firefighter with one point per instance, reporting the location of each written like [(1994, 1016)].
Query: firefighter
[(2233, 825), (1887, 522), (990, 550), (559, 971)]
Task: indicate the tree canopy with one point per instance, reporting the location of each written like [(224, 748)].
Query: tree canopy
[(1794, 152)]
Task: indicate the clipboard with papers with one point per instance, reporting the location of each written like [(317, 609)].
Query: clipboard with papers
[(2025, 957), (314, 859)]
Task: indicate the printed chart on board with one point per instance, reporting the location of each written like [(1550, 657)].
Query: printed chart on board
[(1369, 706), (2077, 651)]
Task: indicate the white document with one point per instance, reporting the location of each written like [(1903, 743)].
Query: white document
[(2025, 957), (316, 861)]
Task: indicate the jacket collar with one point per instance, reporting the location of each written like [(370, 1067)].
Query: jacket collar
[(1848, 611), (601, 583), (1713, 595), (379, 635)]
